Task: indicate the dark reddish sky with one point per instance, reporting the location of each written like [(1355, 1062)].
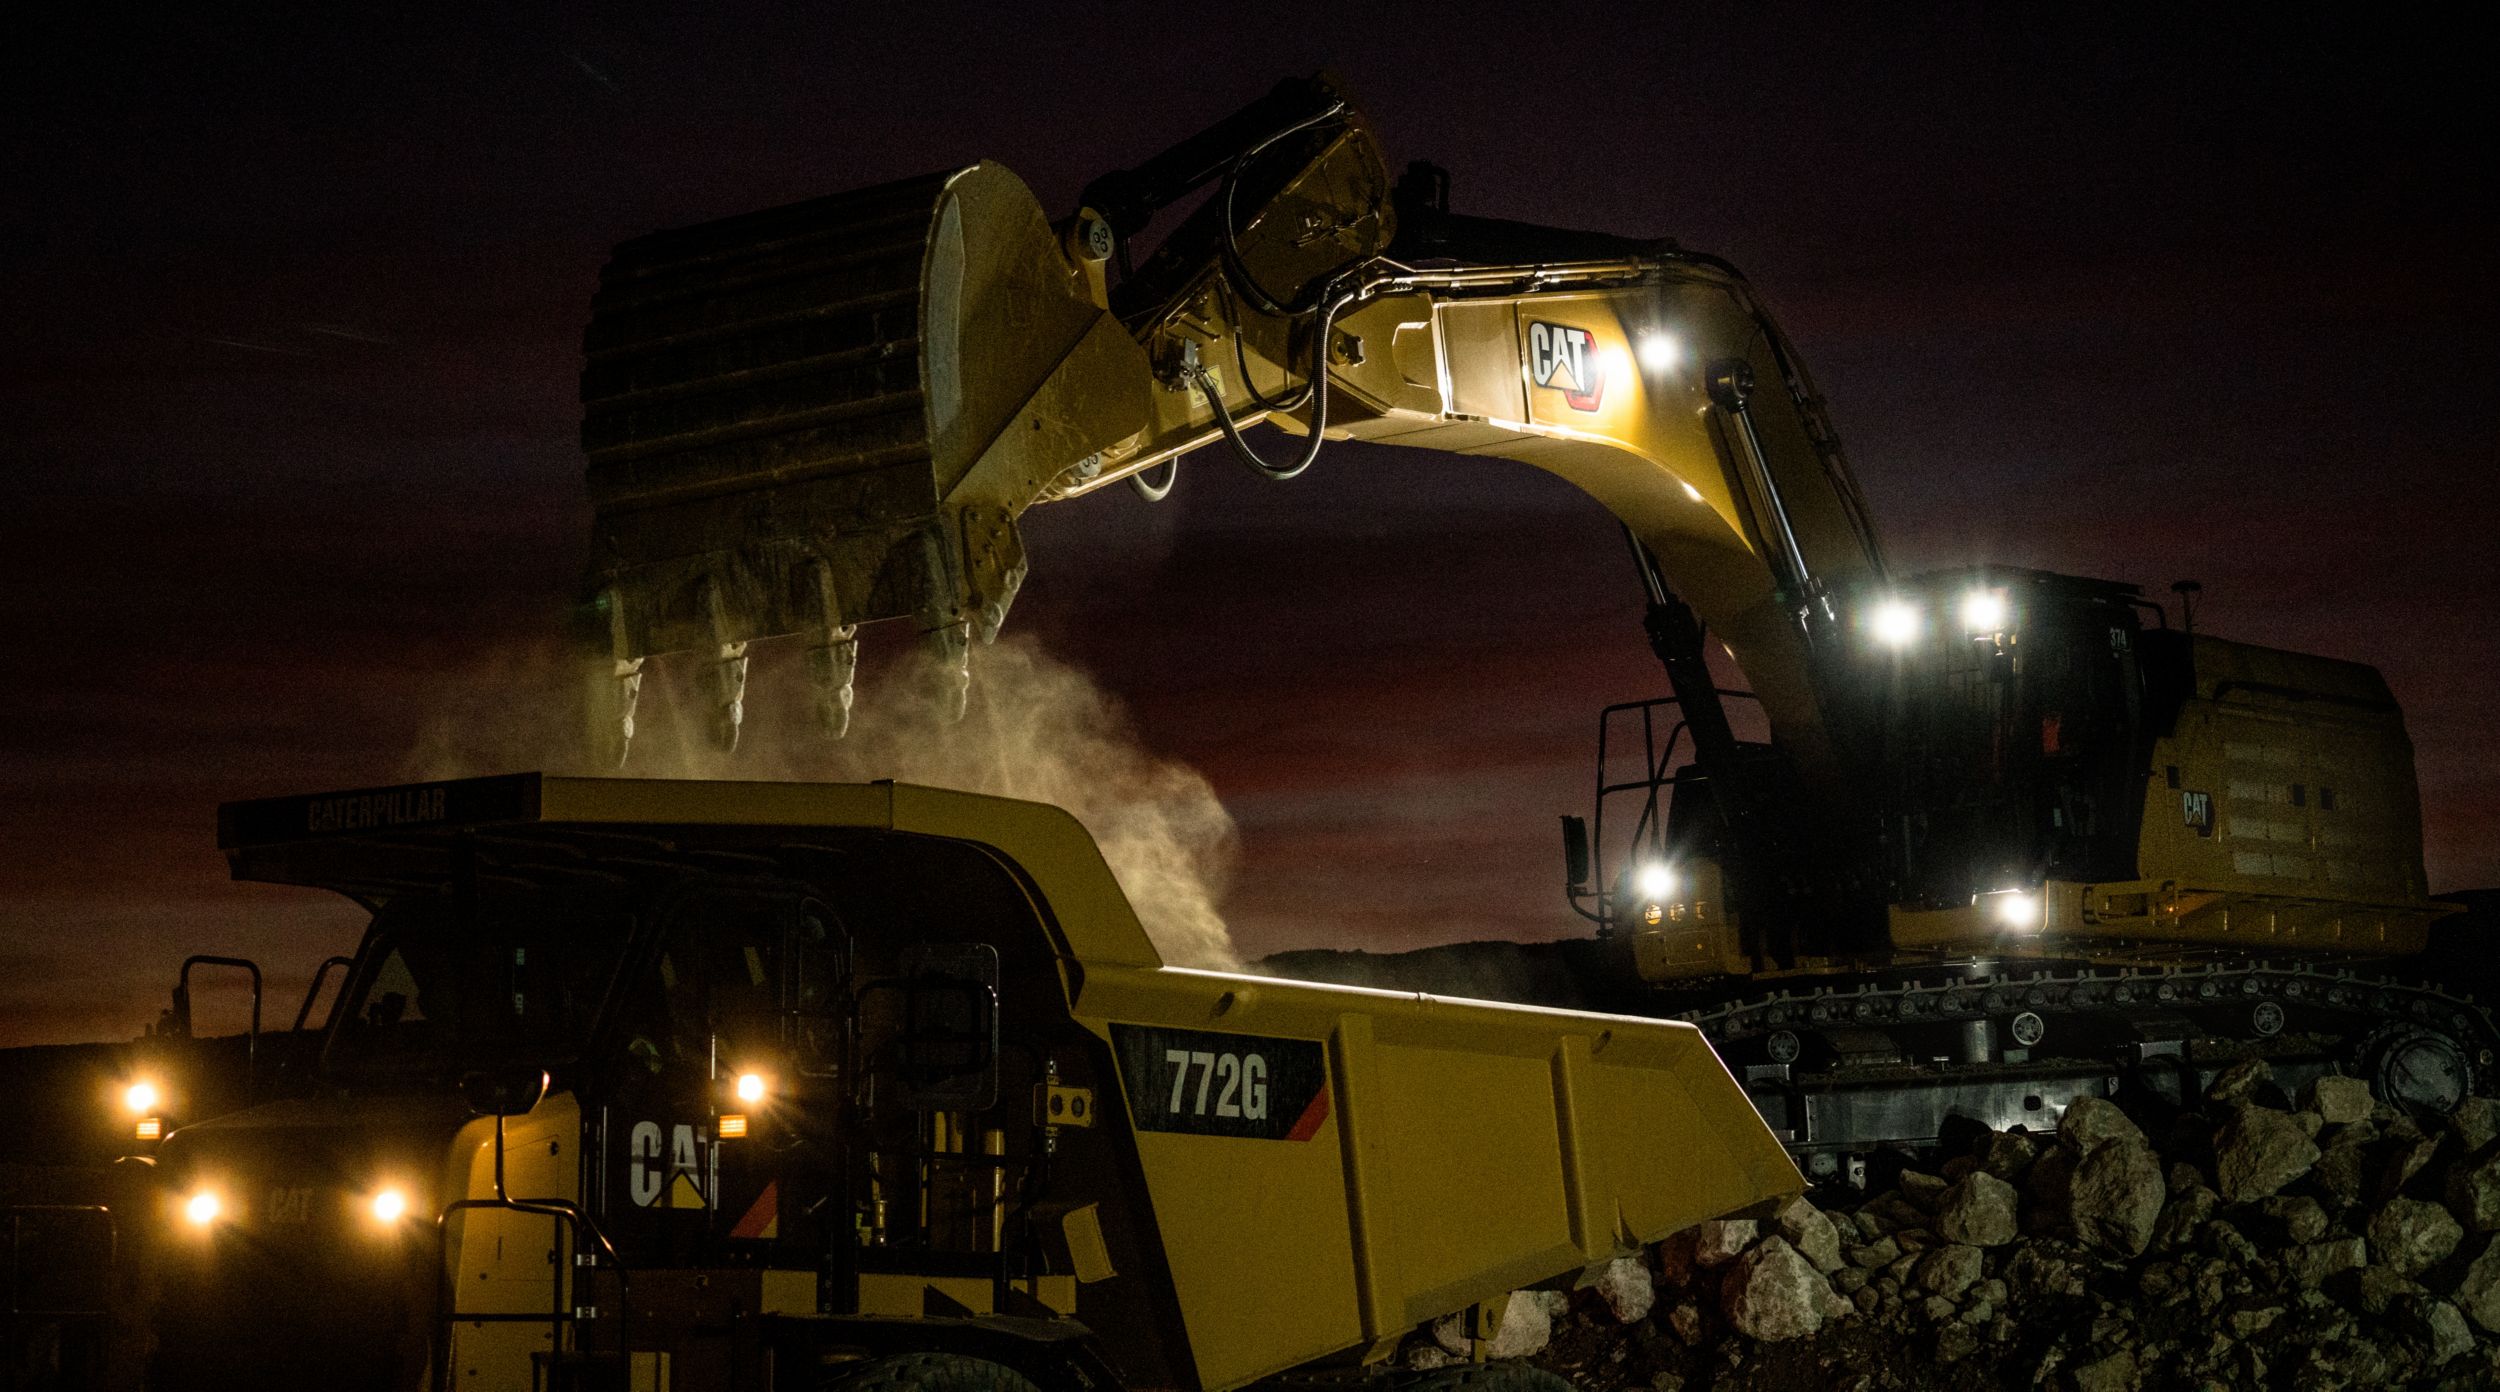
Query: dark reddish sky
[(286, 392)]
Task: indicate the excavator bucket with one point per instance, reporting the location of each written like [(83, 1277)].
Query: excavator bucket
[(803, 420)]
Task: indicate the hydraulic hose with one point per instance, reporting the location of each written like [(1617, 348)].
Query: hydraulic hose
[(1329, 304)]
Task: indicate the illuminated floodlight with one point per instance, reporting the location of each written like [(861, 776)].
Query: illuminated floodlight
[(141, 1098), (2017, 910), (1654, 881), (751, 1087), (1658, 352), (1984, 611), (1895, 623), (202, 1208), (390, 1205)]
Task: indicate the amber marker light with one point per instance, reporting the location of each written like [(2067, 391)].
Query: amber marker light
[(141, 1098), (202, 1208), (733, 1125), (751, 1087), (150, 1129)]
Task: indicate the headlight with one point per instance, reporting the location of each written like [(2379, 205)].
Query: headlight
[(1984, 611), (1654, 881), (2016, 909), (390, 1205), (202, 1208), (141, 1098), (1895, 623), (752, 1087), (1658, 352)]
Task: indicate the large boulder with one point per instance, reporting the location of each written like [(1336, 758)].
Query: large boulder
[(2189, 1209), (2410, 1236), (1719, 1241), (2342, 1173), (2006, 1154), (2474, 1193), (1810, 1230), (1676, 1258), (2240, 1082), (2309, 1266), (2478, 1294), (1772, 1293), (2091, 1121), (2115, 1198), (2340, 1101), (1977, 1210), (1948, 1271), (2475, 1123), (2115, 1373), (2290, 1219), (1625, 1286), (2444, 1330), (2258, 1151)]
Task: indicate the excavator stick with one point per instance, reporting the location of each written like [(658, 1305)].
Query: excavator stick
[(805, 420)]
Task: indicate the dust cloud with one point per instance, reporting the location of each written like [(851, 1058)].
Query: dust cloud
[(1036, 728)]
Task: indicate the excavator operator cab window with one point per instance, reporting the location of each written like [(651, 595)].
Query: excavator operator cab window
[(2017, 745)]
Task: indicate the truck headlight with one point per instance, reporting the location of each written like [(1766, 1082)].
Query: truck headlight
[(202, 1208), (390, 1205), (141, 1098)]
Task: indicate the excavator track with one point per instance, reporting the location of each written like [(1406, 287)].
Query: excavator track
[(1844, 1070)]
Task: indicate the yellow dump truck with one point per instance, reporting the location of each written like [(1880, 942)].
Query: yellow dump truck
[(678, 1085)]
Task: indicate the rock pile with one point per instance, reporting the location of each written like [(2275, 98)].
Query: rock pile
[(2259, 1241)]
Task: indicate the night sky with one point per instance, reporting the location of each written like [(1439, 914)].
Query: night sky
[(293, 306)]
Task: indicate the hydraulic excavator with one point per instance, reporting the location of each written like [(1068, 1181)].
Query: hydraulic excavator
[(2013, 837)]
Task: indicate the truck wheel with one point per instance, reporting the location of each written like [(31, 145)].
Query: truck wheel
[(1489, 1377), (937, 1372)]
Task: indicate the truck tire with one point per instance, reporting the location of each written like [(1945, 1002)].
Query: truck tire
[(937, 1372), (1505, 1376)]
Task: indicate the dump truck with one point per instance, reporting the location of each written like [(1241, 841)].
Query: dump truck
[(2007, 837), (682, 1085)]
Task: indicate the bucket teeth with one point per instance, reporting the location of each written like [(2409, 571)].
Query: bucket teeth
[(830, 664), (625, 685), (950, 647), (728, 681)]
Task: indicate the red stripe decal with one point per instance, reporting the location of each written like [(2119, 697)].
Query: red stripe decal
[(760, 1217), (1308, 1126)]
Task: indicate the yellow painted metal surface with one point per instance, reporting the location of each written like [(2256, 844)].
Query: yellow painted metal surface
[(1469, 1148), (1454, 1150), (500, 1260)]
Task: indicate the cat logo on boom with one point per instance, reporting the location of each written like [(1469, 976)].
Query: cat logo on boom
[(1566, 359)]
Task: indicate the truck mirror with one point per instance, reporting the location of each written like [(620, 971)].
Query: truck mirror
[(503, 1092), (1575, 854)]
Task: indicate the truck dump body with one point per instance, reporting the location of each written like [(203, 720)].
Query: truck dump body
[(1292, 1172)]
